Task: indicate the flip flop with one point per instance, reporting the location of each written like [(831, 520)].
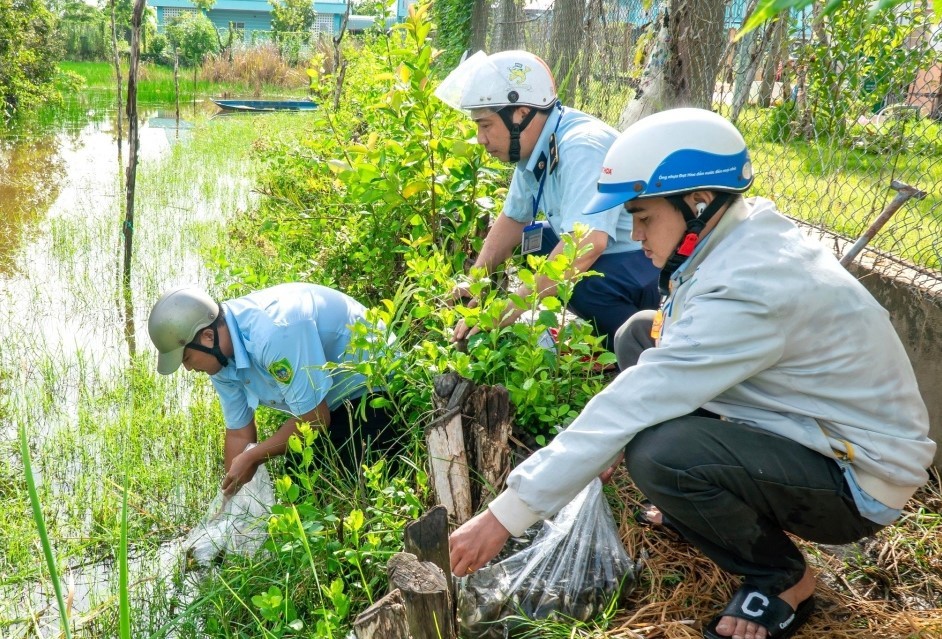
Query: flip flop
[(768, 611)]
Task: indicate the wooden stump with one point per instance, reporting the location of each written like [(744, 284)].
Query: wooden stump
[(427, 539), (385, 619), (426, 595), (468, 444), (451, 481)]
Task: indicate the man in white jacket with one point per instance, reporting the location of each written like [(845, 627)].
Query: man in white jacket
[(778, 398)]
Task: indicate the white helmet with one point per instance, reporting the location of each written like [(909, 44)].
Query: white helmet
[(175, 320), (507, 78), (670, 153)]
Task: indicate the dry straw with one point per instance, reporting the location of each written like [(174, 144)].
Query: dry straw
[(884, 587)]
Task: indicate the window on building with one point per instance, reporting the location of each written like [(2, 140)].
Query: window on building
[(324, 24), (172, 13), (238, 29)]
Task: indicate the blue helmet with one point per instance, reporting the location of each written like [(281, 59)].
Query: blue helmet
[(670, 153)]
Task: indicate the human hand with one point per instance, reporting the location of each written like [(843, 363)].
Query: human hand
[(475, 543), (241, 472), (606, 475), (460, 293), (462, 331)]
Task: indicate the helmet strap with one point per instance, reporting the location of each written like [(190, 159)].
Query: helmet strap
[(215, 351), (507, 115), (695, 225)]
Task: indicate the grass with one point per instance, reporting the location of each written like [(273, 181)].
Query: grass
[(843, 185), (155, 82), (128, 459), (888, 586)]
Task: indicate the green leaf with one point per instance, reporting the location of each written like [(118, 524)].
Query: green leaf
[(355, 520), (412, 188)]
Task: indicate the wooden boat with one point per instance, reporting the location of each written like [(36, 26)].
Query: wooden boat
[(265, 105)]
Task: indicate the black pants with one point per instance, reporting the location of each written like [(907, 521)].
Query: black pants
[(628, 283), (733, 491), (353, 438)]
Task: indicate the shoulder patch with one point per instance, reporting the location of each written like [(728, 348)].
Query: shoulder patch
[(281, 371)]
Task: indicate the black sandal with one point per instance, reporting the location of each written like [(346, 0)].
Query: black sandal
[(770, 612)]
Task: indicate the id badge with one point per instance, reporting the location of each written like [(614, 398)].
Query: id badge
[(657, 325), (532, 238)]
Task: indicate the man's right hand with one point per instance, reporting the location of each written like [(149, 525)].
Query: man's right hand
[(459, 293)]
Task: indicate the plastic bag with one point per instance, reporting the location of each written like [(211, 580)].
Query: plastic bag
[(234, 524), (571, 570)]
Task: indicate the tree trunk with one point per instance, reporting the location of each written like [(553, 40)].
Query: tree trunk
[(427, 539), (509, 31), (130, 182), (682, 67), (117, 73), (451, 481), (565, 44), (753, 54), (774, 61), (176, 84), (479, 17), (340, 65)]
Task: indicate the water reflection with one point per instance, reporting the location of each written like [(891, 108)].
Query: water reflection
[(68, 151), (31, 173)]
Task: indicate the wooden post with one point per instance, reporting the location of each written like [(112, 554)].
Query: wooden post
[(427, 539), (489, 434), (424, 590), (449, 465), (385, 619)]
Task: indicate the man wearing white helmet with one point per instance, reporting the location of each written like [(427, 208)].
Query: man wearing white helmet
[(768, 395), (558, 151), (273, 347)]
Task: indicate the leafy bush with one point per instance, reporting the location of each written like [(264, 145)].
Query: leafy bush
[(29, 50), (193, 36)]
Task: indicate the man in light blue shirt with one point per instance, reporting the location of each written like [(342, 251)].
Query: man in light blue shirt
[(557, 150), (273, 347)]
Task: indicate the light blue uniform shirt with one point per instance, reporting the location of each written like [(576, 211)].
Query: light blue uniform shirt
[(281, 337), (582, 142)]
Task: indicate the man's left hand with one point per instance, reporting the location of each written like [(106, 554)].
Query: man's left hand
[(475, 543), (240, 473)]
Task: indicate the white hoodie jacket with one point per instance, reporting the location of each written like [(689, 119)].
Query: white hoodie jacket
[(766, 328)]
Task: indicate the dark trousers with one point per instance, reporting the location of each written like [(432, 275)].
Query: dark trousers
[(353, 438), (733, 490), (628, 284)]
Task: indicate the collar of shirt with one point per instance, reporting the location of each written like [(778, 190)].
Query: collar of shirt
[(541, 148), (736, 213), (235, 336)]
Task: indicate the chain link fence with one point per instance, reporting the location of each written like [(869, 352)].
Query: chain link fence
[(835, 109)]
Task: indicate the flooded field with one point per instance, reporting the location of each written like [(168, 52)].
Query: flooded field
[(94, 413)]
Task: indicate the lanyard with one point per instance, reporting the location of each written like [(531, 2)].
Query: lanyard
[(551, 166)]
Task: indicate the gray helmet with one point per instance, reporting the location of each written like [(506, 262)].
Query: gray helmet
[(175, 320)]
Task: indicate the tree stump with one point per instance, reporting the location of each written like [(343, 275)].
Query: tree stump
[(426, 595), (385, 619), (451, 481), (427, 539), (468, 440)]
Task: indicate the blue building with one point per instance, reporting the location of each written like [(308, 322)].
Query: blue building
[(251, 16)]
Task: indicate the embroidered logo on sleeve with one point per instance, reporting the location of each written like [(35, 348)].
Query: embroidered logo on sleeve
[(281, 371)]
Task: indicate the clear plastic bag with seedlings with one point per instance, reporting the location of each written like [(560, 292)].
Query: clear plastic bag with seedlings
[(571, 569)]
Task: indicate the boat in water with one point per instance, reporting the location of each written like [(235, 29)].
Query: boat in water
[(264, 105)]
